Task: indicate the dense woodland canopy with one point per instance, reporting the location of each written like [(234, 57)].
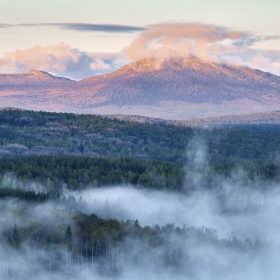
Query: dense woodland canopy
[(25, 133), (78, 173), (82, 172)]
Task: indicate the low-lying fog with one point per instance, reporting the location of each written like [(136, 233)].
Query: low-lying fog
[(244, 213), (236, 207)]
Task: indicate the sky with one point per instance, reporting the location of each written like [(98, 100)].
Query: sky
[(80, 38)]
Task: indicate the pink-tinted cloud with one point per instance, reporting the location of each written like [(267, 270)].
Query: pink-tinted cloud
[(265, 60), (50, 58), (208, 42), (160, 41), (177, 38), (58, 59)]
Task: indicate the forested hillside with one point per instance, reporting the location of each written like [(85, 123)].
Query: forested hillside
[(82, 172), (78, 173), (26, 133)]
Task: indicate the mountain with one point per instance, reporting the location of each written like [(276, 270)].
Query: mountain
[(33, 77), (149, 82), (177, 88)]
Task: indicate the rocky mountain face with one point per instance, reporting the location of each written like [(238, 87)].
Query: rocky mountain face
[(173, 89)]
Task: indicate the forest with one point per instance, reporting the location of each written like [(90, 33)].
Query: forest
[(27, 133), (85, 196)]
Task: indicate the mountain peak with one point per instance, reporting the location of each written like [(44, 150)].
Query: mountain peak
[(179, 63), (44, 75), (172, 63), (40, 74), (142, 65)]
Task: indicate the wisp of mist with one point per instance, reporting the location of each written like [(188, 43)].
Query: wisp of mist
[(245, 211)]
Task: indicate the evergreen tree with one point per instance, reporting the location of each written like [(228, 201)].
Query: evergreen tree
[(68, 236)]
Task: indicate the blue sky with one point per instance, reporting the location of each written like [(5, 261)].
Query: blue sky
[(110, 26)]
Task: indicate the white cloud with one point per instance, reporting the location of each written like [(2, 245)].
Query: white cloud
[(58, 59), (99, 64), (209, 42)]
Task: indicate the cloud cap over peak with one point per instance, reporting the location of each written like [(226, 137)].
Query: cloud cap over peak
[(209, 42)]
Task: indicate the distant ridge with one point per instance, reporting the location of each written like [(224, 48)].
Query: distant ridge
[(33, 74), (11, 109), (45, 75), (176, 88), (272, 117)]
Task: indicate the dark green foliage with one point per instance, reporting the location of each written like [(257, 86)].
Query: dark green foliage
[(25, 133), (54, 133), (84, 172), (108, 247), (15, 237), (68, 237), (91, 232), (24, 195), (81, 172), (264, 171), (68, 234)]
